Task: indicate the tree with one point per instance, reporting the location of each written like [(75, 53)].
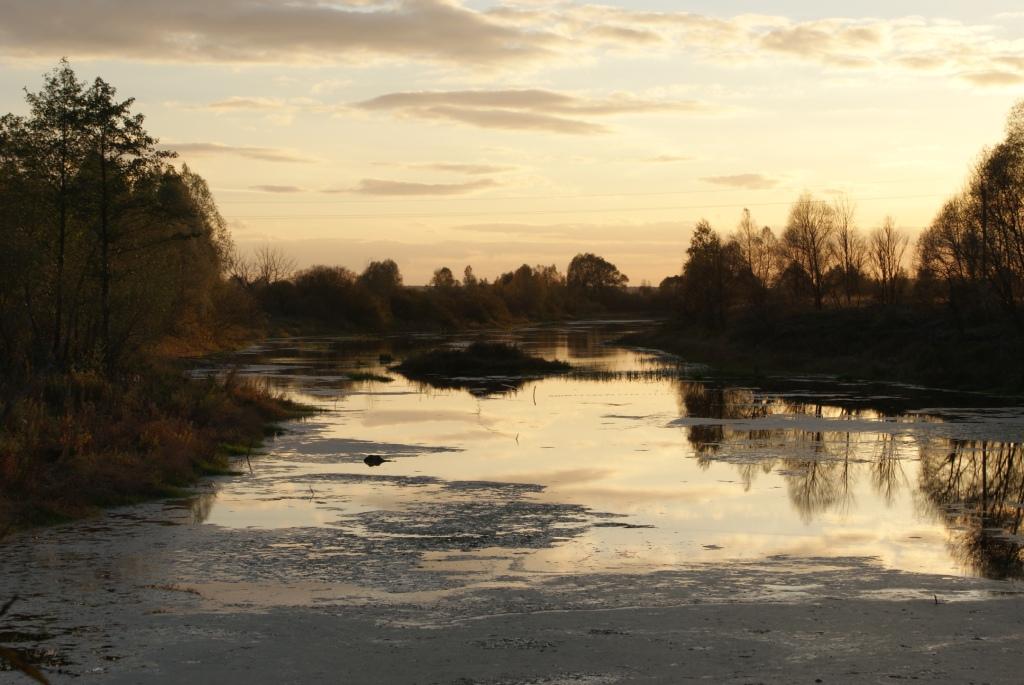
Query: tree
[(593, 275), (106, 246), (382, 278), (888, 246), (121, 153), (443, 278), (270, 265), (469, 279), (758, 249), (850, 248), (55, 132), (808, 242), (710, 275)]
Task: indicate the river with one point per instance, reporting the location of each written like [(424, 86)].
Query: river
[(638, 479)]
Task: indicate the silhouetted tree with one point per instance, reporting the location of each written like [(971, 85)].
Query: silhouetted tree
[(382, 277), (443, 278), (594, 276), (888, 246), (850, 248), (710, 275), (808, 242)]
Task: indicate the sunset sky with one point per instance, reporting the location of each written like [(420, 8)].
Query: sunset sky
[(440, 132)]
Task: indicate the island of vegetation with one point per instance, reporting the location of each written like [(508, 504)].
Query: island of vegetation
[(478, 360)]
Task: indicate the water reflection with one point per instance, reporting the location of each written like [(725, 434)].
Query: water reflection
[(978, 487), (688, 467), (975, 487)]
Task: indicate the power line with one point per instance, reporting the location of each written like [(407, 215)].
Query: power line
[(542, 212)]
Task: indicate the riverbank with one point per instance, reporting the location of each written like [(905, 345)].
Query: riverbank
[(73, 443), (893, 344)]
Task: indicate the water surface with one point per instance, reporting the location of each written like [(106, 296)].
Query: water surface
[(636, 462)]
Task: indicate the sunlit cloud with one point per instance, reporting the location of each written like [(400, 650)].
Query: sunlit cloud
[(263, 154), (668, 159), (528, 109), (374, 186), (267, 31), (510, 36), (276, 189), (744, 181), (468, 169)]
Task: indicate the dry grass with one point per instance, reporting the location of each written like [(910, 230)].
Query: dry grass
[(75, 442)]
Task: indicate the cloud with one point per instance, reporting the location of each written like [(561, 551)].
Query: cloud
[(994, 78), (263, 154), (276, 189), (236, 103), (526, 109), (509, 35), (745, 181), (468, 169), (374, 186), (267, 31), (667, 159)]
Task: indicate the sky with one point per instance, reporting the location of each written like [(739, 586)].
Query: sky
[(496, 133)]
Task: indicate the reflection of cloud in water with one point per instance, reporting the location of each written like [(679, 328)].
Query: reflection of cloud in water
[(814, 465)]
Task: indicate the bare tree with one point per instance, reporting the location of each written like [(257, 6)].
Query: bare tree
[(808, 242), (888, 245), (240, 268), (850, 247), (758, 247), (271, 264)]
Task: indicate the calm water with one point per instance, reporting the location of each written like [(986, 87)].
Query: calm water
[(637, 462)]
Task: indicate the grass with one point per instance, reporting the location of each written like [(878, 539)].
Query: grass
[(366, 376), (481, 359), (73, 443)]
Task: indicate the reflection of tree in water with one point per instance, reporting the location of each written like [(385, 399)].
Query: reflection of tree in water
[(887, 468), (820, 466), (715, 402), (200, 507), (978, 487)]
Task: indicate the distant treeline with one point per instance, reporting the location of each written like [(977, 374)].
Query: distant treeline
[(376, 299)]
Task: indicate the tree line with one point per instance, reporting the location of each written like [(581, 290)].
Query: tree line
[(970, 259), (378, 299), (110, 249)]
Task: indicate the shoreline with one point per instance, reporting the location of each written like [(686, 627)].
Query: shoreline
[(941, 367)]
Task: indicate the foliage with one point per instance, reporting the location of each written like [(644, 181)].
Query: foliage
[(107, 248), (478, 360)]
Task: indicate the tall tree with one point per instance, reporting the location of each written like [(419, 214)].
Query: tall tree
[(121, 153), (808, 242), (888, 245), (594, 275), (850, 247)]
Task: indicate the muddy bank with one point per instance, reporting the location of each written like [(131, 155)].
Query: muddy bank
[(128, 619)]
